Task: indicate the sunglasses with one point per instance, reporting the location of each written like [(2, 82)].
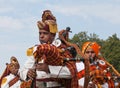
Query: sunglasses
[(89, 52)]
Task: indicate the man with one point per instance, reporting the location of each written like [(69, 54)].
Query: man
[(10, 77), (45, 36), (40, 55), (100, 76)]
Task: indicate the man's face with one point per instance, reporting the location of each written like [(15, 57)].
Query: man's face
[(90, 53), (45, 36)]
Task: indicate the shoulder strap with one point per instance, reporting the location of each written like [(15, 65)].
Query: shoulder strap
[(13, 81)]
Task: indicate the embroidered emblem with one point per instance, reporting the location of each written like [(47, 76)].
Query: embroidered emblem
[(57, 43), (101, 62)]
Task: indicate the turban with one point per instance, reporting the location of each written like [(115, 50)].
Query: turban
[(48, 22), (92, 45)]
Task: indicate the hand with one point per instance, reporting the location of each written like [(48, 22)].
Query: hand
[(31, 74), (42, 67), (91, 85), (80, 86)]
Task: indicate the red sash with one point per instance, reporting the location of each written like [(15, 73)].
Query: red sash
[(81, 73), (13, 81)]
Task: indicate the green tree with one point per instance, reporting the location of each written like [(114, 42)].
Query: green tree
[(110, 48), (82, 37), (111, 51)]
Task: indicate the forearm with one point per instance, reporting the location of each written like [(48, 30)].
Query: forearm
[(28, 65), (59, 70)]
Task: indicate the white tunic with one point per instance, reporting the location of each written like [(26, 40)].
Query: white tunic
[(7, 79), (54, 70)]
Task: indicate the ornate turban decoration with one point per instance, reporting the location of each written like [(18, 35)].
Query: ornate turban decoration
[(48, 22), (92, 45)]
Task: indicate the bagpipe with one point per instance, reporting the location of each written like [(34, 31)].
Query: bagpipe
[(55, 56), (86, 60), (101, 72), (104, 72)]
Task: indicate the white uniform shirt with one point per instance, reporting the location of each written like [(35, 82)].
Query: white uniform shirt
[(7, 79), (54, 70)]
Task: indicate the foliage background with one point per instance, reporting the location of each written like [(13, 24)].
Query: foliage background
[(110, 48)]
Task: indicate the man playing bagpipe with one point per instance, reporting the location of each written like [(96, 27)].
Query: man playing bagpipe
[(10, 77), (47, 58), (100, 69)]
